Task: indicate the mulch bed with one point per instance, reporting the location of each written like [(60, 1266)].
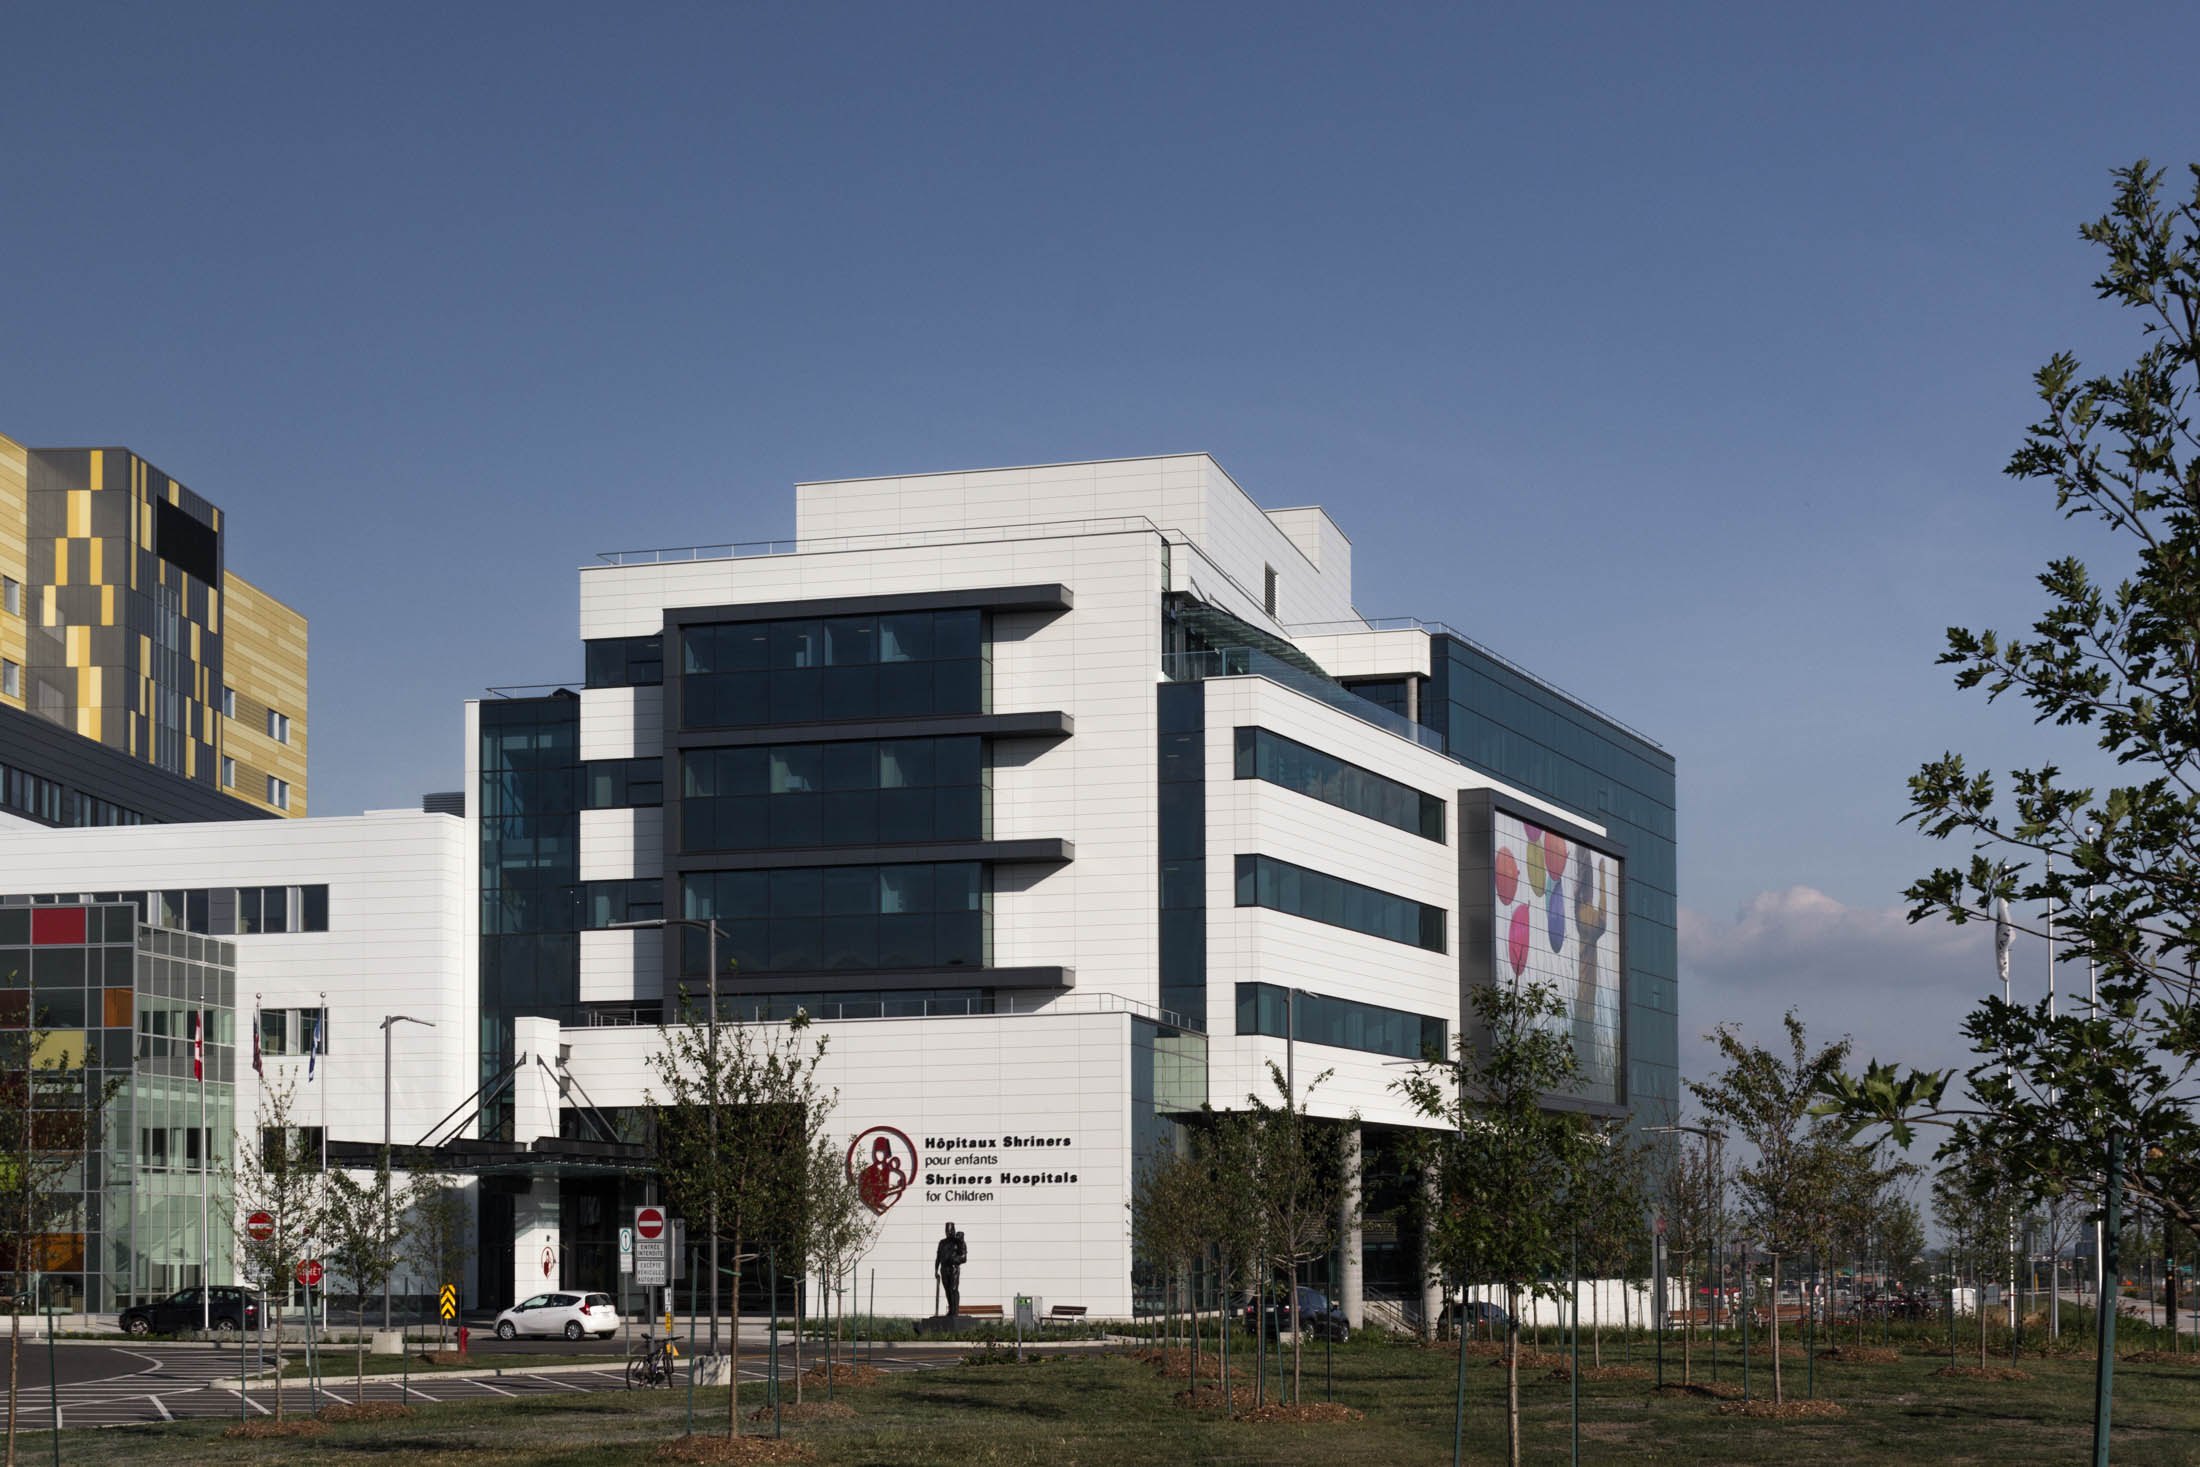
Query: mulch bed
[(804, 1411), (1715, 1390), (1301, 1414), (369, 1411), (2160, 1357), (256, 1430), (1784, 1411), (736, 1449), (1531, 1360), (1602, 1372), (1177, 1364), (844, 1375), (1205, 1398), (1983, 1372), (1862, 1355)]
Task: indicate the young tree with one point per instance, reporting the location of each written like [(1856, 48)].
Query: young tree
[(1768, 1098), (52, 1113), (1504, 1164), (1610, 1213), (2092, 1100), (365, 1241), (1299, 1164), (281, 1177), (1692, 1194), (838, 1227), (1167, 1199), (438, 1230), (730, 1125)]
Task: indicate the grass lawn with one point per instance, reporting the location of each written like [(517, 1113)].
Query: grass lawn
[(1083, 1411)]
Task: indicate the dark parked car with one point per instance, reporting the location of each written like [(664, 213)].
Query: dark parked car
[(1319, 1317), (229, 1310)]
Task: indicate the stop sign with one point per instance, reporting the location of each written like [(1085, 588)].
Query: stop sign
[(309, 1272), (650, 1222), (259, 1227)]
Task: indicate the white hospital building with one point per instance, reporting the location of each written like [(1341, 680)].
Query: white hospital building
[(1065, 799)]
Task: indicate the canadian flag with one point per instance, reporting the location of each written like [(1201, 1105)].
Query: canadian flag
[(198, 1045)]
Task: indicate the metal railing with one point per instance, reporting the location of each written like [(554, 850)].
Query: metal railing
[(1192, 667), (1445, 629), (892, 540), (778, 1008)]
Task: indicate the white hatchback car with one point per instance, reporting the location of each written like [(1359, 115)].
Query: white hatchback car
[(570, 1315)]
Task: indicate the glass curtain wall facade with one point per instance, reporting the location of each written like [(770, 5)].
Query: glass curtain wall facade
[(1183, 787), (1495, 719), (105, 1001), (530, 874)]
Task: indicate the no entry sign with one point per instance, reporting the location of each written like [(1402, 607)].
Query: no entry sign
[(259, 1227), (652, 1248), (309, 1272)]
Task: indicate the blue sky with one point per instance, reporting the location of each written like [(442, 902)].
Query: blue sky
[(1672, 351)]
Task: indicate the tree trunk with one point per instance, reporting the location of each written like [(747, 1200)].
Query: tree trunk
[(359, 1350), (1298, 1335), (1512, 1376), (733, 1342), (278, 1309), (1596, 1320), (1777, 1398), (1688, 1332), (1191, 1289)]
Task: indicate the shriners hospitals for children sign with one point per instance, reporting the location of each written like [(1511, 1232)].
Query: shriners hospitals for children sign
[(884, 1164)]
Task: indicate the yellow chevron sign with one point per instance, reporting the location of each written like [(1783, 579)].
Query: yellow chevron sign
[(450, 1301)]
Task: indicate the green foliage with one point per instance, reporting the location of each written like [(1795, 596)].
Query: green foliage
[(438, 1230), (2119, 867)]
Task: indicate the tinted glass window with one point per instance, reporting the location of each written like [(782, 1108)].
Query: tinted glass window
[(747, 674), (1295, 766), (1266, 1008), (857, 792), (1263, 881), (822, 918)]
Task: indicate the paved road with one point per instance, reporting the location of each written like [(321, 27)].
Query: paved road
[(114, 1385)]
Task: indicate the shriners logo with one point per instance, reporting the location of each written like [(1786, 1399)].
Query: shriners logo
[(881, 1162)]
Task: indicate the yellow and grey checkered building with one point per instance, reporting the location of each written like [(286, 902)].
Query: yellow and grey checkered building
[(121, 623)]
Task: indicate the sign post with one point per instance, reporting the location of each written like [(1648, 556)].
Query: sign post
[(652, 1251)]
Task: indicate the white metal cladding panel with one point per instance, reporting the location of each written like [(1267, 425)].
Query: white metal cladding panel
[(619, 966), (1243, 540), (622, 843), (398, 931), (622, 723), (1317, 535), (1368, 654), (1060, 1074), (1355, 1083), (1166, 490)]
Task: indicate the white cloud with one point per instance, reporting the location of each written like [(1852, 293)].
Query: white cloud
[(1899, 990)]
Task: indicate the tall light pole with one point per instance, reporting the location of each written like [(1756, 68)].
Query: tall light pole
[(389, 1022), (709, 925)]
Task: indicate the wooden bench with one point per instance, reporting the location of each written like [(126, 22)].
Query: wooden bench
[(1065, 1314), (980, 1311)]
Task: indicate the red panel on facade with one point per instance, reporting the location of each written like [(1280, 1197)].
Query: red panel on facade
[(53, 926)]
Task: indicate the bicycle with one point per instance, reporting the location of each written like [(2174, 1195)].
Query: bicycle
[(651, 1364)]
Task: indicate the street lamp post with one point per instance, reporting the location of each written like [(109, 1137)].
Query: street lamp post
[(389, 1022), (709, 925)]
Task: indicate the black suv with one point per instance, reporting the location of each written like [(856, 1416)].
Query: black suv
[(1320, 1318), (229, 1309)]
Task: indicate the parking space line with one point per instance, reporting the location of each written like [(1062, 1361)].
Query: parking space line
[(488, 1387), (160, 1406)]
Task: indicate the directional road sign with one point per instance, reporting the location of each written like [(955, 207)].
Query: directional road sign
[(450, 1301)]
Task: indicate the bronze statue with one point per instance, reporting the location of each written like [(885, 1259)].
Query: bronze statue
[(947, 1263)]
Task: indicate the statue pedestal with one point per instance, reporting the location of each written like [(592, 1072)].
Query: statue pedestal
[(940, 1324)]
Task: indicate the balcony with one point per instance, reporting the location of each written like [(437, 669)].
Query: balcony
[(1192, 667)]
